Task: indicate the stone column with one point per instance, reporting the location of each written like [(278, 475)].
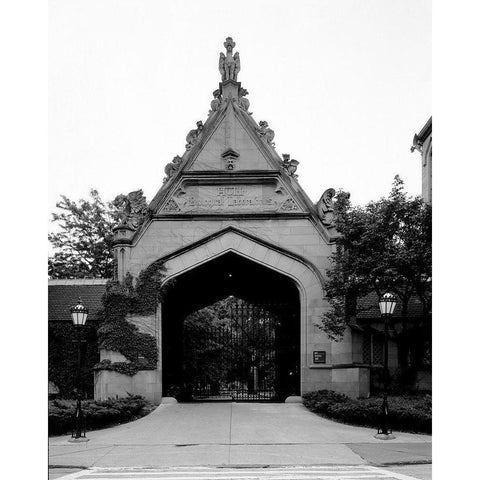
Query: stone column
[(122, 241)]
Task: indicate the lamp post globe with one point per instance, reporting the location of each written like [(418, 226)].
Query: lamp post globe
[(386, 304), (79, 314)]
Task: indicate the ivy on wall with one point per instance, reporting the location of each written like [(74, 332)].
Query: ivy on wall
[(119, 335)]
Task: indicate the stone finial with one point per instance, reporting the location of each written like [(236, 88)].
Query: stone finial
[(325, 207), (229, 64)]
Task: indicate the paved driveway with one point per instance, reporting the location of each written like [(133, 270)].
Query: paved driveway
[(235, 434)]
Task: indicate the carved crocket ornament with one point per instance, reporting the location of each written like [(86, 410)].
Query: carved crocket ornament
[(325, 207), (290, 165), (216, 102), (229, 64), (243, 101), (193, 135), (264, 131), (171, 168)]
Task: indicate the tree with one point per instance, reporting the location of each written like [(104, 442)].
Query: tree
[(385, 245), (83, 245)]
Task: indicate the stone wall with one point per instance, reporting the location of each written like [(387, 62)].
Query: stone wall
[(163, 237), (110, 384)]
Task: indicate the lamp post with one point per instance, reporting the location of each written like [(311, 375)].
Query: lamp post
[(79, 317), (387, 305)]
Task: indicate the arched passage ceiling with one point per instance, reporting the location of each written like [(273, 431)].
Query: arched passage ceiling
[(228, 274)]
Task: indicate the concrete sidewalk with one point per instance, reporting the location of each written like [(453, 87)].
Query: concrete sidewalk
[(236, 434)]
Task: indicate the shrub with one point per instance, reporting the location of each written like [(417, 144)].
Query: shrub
[(407, 413), (98, 414)]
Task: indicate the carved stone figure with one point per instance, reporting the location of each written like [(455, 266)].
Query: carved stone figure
[(172, 167), (216, 102), (132, 208), (243, 102), (325, 206), (193, 135), (290, 165), (229, 65), (264, 131)]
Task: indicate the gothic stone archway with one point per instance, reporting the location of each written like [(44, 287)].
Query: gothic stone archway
[(287, 271), (231, 192)]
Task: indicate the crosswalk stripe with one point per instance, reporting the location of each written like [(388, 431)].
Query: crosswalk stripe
[(211, 473)]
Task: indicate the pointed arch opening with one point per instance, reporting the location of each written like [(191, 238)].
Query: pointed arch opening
[(231, 331)]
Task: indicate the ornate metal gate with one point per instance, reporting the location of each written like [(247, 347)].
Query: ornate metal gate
[(249, 354)]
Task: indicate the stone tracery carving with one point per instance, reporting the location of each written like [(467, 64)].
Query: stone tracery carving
[(325, 207), (264, 131), (229, 64), (132, 208), (289, 205), (171, 206), (193, 135)]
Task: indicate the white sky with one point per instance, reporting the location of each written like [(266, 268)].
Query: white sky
[(344, 84)]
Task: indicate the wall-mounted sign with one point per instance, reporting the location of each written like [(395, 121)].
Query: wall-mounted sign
[(319, 356)]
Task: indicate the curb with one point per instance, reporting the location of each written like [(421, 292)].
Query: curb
[(399, 464), (79, 467)]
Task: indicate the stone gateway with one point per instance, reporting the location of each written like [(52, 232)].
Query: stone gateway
[(231, 221)]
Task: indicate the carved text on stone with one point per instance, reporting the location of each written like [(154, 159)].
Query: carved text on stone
[(231, 198)]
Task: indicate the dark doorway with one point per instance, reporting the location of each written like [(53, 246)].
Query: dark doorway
[(231, 331)]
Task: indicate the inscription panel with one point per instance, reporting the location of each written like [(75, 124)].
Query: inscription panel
[(230, 198)]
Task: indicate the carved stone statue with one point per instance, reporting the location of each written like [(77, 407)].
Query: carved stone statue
[(132, 209), (216, 102), (243, 102), (172, 167), (325, 207), (193, 135), (290, 165), (264, 131), (229, 65)]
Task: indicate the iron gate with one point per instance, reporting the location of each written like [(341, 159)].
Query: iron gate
[(247, 355)]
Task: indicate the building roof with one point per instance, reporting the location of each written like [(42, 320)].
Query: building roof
[(425, 131), (62, 294)]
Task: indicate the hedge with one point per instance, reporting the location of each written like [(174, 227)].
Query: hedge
[(407, 413), (98, 414)]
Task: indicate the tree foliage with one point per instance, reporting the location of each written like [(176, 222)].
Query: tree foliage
[(62, 357), (84, 241), (385, 245)]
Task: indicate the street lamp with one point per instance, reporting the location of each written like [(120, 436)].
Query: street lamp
[(79, 315), (387, 305)]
